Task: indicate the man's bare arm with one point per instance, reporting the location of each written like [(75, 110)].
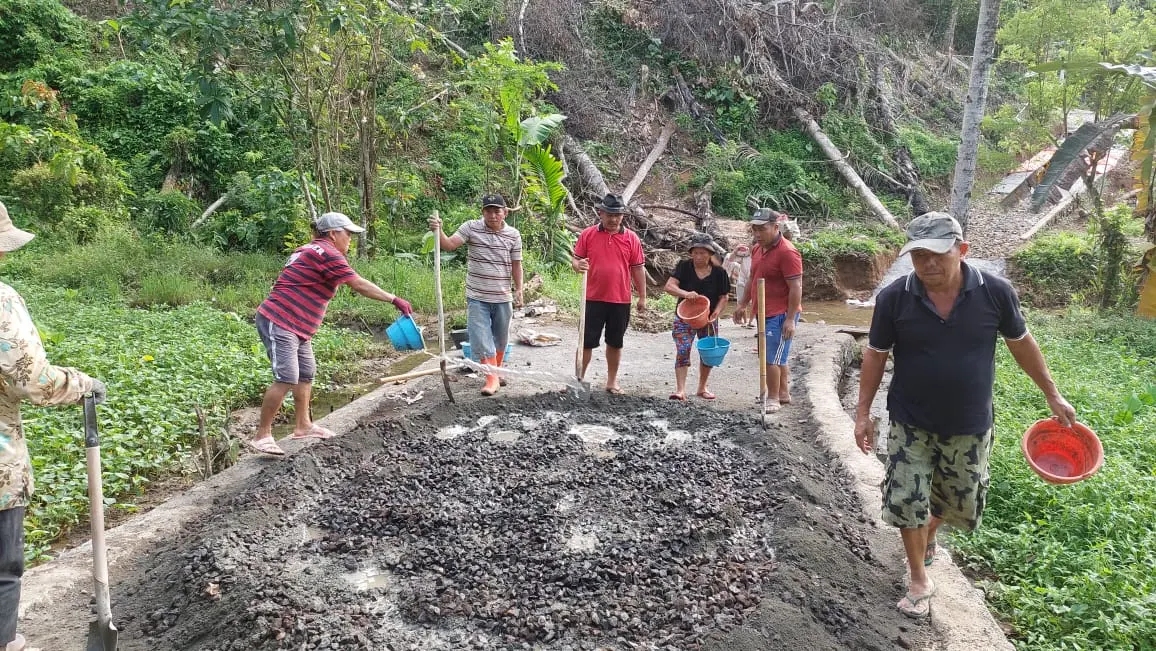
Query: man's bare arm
[(1030, 358)]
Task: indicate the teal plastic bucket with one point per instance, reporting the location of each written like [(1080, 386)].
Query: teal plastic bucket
[(712, 350), (467, 352), (405, 334)]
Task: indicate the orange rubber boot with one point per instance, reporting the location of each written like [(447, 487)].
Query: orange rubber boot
[(501, 360), (492, 381)]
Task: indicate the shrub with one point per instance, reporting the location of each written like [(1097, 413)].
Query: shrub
[(266, 214), (167, 289), (1055, 268), (166, 212), (63, 171), (34, 29), (82, 224), (933, 155)]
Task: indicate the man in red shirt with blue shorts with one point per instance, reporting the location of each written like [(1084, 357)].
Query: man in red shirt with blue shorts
[(291, 315), (780, 264), (611, 256)]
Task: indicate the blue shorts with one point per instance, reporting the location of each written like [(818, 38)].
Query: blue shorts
[(777, 347)]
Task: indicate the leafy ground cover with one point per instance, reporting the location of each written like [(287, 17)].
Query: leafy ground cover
[(158, 363), (1072, 567)]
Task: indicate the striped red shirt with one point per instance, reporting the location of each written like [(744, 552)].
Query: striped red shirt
[(305, 286)]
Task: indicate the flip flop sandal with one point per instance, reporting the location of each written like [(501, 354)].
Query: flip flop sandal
[(929, 553), (914, 610), (615, 391), (706, 395), (316, 432), (675, 396), (772, 407), (785, 402), (265, 446)]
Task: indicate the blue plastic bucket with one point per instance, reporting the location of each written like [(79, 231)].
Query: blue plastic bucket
[(470, 354), (405, 334), (712, 350)]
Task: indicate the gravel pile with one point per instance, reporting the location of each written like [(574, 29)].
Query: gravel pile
[(537, 523)]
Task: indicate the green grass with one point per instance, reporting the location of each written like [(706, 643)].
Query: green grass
[(1074, 567), (147, 272), (850, 238)]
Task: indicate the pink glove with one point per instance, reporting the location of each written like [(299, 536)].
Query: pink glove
[(402, 305)]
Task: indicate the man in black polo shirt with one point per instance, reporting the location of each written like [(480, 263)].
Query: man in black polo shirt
[(940, 322)]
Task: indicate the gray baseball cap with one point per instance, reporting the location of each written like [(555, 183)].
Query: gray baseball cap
[(764, 216), (335, 221), (935, 231)]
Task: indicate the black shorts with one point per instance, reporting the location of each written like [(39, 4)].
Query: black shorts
[(614, 317)]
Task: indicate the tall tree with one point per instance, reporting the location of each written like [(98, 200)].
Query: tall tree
[(973, 106)]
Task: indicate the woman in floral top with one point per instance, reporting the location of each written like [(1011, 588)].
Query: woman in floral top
[(25, 374)]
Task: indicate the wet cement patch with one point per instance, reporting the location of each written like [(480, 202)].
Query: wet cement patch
[(540, 523)]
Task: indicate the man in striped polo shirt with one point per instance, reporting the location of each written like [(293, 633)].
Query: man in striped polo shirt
[(495, 257), (288, 319)]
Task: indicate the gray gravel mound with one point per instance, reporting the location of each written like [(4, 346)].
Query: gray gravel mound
[(538, 523)]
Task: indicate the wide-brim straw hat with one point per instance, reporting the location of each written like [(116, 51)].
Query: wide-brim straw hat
[(11, 238)]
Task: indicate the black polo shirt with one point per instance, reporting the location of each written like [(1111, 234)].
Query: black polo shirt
[(945, 368)]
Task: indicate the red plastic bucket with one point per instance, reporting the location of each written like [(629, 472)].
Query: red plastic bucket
[(1062, 455), (695, 311)]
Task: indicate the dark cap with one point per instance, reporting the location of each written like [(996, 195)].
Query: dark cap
[(612, 203), (935, 231), (702, 241), (764, 216), (493, 200)]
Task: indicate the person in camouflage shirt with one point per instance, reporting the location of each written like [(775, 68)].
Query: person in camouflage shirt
[(25, 375)]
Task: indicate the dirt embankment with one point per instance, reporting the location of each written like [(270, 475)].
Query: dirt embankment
[(849, 276)]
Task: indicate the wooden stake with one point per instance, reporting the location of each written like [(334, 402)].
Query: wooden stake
[(763, 347)]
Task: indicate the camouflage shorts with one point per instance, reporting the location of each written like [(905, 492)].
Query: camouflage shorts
[(934, 474)]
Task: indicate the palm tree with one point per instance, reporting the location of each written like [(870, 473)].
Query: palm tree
[(973, 106)]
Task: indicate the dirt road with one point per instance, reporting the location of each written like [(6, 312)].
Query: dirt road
[(534, 520)]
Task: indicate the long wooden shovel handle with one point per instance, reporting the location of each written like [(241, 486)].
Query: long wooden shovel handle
[(762, 316), (441, 309), (96, 511), (581, 328)]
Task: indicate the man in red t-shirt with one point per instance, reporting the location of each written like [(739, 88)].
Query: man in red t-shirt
[(288, 319), (777, 261), (611, 257)]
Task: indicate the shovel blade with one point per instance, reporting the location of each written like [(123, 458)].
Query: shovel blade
[(102, 636), (580, 389)]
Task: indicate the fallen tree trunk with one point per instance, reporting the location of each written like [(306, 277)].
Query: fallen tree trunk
[(651, 159), (209, 211), (592, 182), (845, 170)]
